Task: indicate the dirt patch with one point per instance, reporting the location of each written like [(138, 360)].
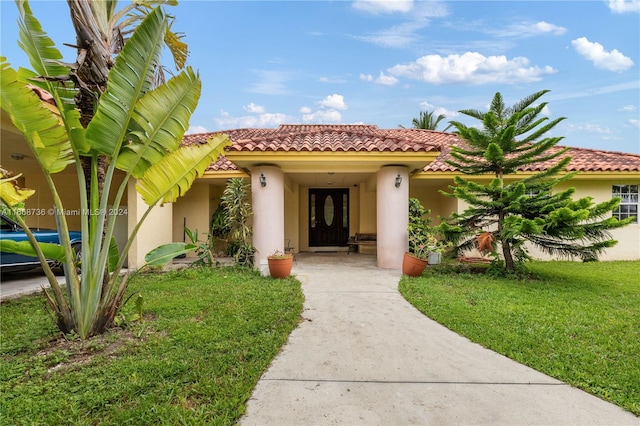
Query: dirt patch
[(66, 354)]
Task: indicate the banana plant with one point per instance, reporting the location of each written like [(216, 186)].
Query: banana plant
[(138, 126)]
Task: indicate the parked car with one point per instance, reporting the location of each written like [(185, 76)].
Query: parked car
[(10, 230)]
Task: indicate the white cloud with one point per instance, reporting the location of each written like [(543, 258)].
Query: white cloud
[(594, 128), (323, 116), (327, 111), (588, 128), (402, 35), (528, 29), (270, 82), (634, 122), (386, 80), (623, 6), (195, 130), (334, 101), (471, 68), (545, 27), (335, 79), (254, 109), (594, 52), (261, 120), (628, 108), (406, 33), (633, 85), (387, 6), (438, 110)]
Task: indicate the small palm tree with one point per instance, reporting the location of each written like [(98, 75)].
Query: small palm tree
[(427, 120)]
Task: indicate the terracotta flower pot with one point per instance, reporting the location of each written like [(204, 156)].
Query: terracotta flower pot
[(412, 265), (280, 267)]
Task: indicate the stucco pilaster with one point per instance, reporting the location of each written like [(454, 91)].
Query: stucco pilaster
[(268, 211), (392, 205)]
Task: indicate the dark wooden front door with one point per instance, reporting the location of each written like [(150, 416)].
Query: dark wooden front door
[(328, 217)]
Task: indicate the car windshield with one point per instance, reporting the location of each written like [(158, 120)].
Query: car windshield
[(7, 225)]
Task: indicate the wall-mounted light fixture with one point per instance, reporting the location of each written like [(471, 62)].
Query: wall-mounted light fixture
[(263, 180), (398, 181)]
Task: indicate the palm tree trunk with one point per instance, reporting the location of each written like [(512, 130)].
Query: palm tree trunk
[(93, 62)]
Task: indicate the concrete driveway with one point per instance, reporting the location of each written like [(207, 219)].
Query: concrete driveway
[(13, 285), (364, 356)]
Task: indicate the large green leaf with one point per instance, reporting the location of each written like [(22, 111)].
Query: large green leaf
[(46, 60), (130, 78), (114, 255), (43, 55), (51, 251), (165, 253), (162, 117), (172, 176), (38, 122)]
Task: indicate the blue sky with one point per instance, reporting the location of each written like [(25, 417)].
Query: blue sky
[(271, 62)]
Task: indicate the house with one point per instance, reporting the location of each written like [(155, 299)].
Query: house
[(316, 185)]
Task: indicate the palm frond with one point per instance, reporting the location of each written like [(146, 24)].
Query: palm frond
[(525, 102), (177, 47)]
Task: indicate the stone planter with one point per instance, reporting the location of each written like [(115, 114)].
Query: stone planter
[(413, 266), (435, 258)]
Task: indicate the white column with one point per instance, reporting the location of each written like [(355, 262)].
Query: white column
[(392, 204), (268, 211)]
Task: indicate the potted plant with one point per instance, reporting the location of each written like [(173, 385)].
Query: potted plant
[(415, 260), (280, 264), (424, 247), (235, 200)]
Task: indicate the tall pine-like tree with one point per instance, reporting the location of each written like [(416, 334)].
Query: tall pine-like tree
[(516, 211)]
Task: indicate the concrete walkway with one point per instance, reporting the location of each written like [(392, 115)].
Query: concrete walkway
[(365, 356)]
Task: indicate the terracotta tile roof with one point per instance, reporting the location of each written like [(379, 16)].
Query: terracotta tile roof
[(337, 138), (582, 160), (326, 138), (370, 138)]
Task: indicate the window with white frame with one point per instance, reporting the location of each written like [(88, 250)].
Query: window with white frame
[(628, 207)]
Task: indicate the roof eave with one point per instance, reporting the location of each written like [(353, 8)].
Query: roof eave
[(317, 161), (581, 175)]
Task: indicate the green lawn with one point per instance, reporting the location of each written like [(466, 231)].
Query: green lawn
[(207, 337), (578, 322)]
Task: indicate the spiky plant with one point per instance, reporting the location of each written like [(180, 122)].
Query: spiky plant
[(526, 209)]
